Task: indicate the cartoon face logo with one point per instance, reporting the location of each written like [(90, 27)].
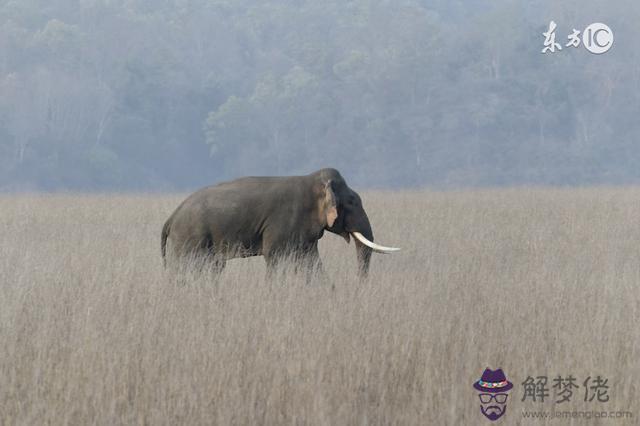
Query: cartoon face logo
[(493, 387)]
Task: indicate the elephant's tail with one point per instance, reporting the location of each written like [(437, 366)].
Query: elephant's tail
[(163, 242)]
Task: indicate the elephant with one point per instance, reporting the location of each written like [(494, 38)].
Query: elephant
[(276, 217)]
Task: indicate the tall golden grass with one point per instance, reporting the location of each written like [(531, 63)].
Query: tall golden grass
[(538, 282)]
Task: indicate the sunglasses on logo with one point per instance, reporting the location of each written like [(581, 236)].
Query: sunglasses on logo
[(486, 398)]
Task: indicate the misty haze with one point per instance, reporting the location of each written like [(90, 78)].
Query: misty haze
[(319, 212), (151, 95)]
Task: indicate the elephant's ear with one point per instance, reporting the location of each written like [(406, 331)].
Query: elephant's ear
[(327, 205)]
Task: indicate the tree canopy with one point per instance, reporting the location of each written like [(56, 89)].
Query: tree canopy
[(173, 94)]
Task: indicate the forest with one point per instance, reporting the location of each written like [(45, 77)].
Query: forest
[(150, 95)]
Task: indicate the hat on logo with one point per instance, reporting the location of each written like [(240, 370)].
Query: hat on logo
[(493, 381)]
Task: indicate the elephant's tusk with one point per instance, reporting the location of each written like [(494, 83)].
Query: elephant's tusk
[(376, 247)]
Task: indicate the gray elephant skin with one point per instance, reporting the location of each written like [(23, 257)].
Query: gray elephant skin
[(274, 217)]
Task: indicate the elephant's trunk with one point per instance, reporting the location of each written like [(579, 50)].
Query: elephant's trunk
[(364, 256), (362, 251)]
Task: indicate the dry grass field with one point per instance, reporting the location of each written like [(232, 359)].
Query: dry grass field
[(538, 282)]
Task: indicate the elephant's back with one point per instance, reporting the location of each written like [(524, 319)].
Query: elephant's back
[(213, 205), (247, 192), (235, 210)]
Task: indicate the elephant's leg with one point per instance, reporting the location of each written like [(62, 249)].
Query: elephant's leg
[(273, 250), (205, 259), (304, 258), (215, 259), (313, 265), (273, 260), (306, 261), (216, 265)]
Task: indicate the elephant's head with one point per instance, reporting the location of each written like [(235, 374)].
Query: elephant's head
[(342, 213)]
